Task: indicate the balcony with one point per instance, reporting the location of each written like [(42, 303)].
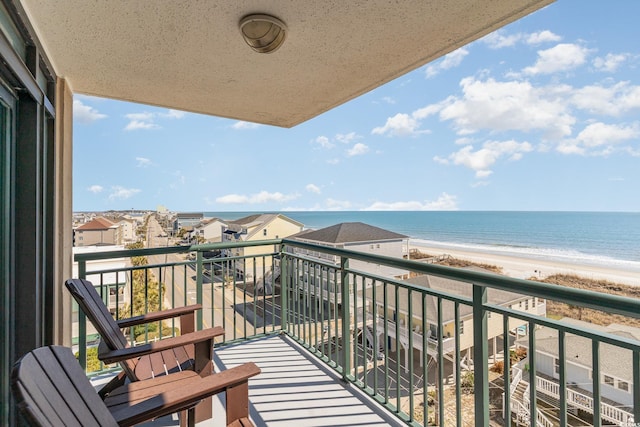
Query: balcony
[(340, 346)]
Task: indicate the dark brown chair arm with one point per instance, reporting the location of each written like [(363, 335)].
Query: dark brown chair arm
[(158, 315), (233, 381), (111, 356)]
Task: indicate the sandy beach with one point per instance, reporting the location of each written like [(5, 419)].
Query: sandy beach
[(523, 268)]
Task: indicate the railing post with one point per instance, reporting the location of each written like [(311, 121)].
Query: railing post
[(284, 290), (346, 318), (480, 357), (82, 322), (199, 272)]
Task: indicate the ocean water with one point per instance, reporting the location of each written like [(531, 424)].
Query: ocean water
[(600, 238)]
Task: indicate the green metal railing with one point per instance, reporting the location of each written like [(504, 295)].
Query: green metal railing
[(423, 353)]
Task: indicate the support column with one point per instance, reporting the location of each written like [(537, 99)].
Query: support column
[(63, 213)]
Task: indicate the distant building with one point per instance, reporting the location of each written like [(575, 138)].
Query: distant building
[(253, 228), (210, 229), (99, 231), (111, 286), (127, 229), (187, 219)]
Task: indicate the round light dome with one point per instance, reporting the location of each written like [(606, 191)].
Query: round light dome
[(263, 33)]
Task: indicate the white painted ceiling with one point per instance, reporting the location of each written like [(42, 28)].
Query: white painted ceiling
[(189, 55)]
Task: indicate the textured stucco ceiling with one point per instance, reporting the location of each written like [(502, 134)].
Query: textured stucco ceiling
[(189, 55)]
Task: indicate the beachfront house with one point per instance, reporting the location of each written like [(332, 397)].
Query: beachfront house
[(316, 277), (615, 370), (399, 312), (254, 228)]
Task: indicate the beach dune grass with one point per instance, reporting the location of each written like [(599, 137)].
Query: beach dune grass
[(559, 310)]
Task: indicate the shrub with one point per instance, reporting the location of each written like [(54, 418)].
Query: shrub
[(466, 382), (93, 363), (498, 367), (517, 354)]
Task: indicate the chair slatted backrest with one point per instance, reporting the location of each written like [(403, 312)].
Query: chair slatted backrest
[(51, 389), (95, 309)]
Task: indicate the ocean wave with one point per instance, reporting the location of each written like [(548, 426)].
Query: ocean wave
[(536, 253)]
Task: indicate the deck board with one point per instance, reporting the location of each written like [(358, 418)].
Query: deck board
[(294, 389)]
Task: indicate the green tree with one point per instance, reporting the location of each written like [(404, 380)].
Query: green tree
[(145, 294)]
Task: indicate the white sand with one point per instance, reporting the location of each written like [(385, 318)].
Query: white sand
[(523, 268)]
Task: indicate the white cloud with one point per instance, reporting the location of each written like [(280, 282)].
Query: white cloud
[(323, 142), (562, 57), (143, 162), (346, 138), (245, 125), (429, 110), (511, 105), (483, 159), (610, 62), (147, 120), (121, 193), (312, 188), (85, 114), (174, 114), (137, 124), (444, 202), (389, 100), (498, 39), (403, 124), (450, 60), (399, 125), (597, 134), (96, 189), (613, 100), (540, 37), (599, 139), (261, 197), (143, 117), (357, 150)]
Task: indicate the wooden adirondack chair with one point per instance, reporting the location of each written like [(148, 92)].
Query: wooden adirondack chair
[(51, 389), (189, 351)]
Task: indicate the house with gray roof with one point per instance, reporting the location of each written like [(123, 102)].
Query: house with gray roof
[(357, 236), (318, 275), (210, 229), (248, 261), (398, 312), (615, 366)]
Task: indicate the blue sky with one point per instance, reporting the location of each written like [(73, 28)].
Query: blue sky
[(541, 115)]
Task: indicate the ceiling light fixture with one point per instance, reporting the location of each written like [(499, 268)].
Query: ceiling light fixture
[(263, 33)]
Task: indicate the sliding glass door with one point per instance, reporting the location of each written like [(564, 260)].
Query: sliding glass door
[(7, 108)]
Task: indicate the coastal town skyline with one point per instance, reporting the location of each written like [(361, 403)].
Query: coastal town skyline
[(540, 115)]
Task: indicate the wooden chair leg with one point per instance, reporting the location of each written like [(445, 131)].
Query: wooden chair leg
[(237, 402), (115, 382), (203, 355)]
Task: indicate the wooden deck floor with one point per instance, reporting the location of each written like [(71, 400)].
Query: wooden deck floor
[(294, 389)]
